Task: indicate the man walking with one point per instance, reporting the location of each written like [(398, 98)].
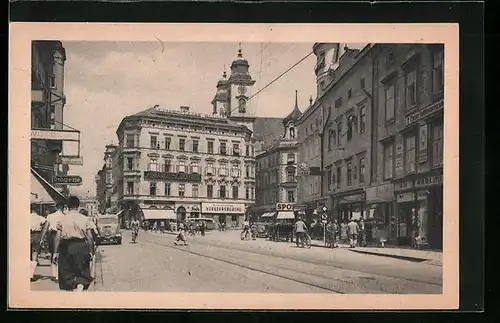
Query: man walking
[(74, 248), (362, 233), (353, 231), (300, 230), (49, 233), (37, 223)]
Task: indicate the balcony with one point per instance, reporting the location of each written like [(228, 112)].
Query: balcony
[(131, 172)]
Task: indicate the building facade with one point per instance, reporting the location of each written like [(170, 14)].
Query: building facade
[(197, 165), (47, 106), (277, 169), (409, 87), (105, 189)]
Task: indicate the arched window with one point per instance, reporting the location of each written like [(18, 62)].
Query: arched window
[(292, 133), (331, 139)]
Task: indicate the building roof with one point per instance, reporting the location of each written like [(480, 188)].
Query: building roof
[(268, 128), (295, 114)]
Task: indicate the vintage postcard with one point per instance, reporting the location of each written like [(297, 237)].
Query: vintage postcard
[(233, 166)]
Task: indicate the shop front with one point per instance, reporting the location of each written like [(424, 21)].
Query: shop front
[(43, 194), (380, 219), (420, 209), (231, 215), (349, 205), (187, 210)]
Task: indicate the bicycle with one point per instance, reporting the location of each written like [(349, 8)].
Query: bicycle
[(134, 235), (305, 241), (245, 235)]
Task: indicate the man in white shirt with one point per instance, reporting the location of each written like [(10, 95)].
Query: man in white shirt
[(49, 232), (37, 223)]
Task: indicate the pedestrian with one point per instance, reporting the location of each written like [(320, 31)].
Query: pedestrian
[(353, 231), (74, 248), (336, 233), (49, 234), (181, 236), (300, 231), (343, 231), (203, 227), (155, 226), (362, 233), (146, 226), (162, 227), (37, 223), (253, 229), (330, 235)]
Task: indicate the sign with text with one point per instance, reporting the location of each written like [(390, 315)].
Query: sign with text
[(399, 160), (181, 177), (429, 180), (404, 185), (285, 206), (225, 208), (48, 134), (70, 160), (67, 180), (418, 115), (422, 147)]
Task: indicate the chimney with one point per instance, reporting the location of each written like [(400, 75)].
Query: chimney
[(184, 108)]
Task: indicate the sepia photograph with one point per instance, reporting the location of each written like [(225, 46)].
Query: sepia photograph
[(247, 165)]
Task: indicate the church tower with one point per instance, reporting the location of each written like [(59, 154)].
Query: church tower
[(290, 120), (219, 101), (327, 60), (239, 90)]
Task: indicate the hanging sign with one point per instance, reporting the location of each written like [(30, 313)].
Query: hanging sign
[(70, 160), (399, 160), (285, 206), (47, 134), (67, 180), (422, 147)]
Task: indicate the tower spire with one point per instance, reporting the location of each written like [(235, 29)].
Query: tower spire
[(296, 101), (224, 75), (239, 50)]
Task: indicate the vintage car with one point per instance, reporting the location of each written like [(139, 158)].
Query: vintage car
[(208, 221), (281, 230), (108, 229), (262, 229)]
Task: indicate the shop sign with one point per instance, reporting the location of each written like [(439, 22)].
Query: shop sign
[(70, 160), (285, 206), (416, 116), (229, 208), (351, 199), (404, 185), (299, 207), (48, 134), (399, 159), (422, 147), (429, 180), (421, 195), (181, 177), (67, 180), (405, 197)]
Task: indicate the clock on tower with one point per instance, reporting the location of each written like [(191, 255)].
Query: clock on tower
[(242, 90)]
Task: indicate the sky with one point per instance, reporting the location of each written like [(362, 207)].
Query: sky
[(106, 81)]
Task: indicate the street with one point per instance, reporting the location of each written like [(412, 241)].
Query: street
[(221, 262)]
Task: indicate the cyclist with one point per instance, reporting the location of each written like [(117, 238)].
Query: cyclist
[(300, 229), (134, 226)]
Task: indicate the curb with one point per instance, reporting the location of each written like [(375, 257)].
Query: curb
[(408, 258)]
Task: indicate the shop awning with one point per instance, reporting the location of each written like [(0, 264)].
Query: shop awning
[(42, 192), (119, 213), (159, 214), (282, 215), (267, 215)]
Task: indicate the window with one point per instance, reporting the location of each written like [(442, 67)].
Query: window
[(195, 190), (235, 192), (388, 160), (411, 89), (181, 168), (235, 171), (339, 176), (362, 170), (242, 105), (349, 173), (153, 165), (362, 83), (437, 72), (236, 149), (349, 127), (349, 94), (389, 103), (247, 171), (182, 144), (223, 170), (410, 154), (153, 142), (168, 189), (362, 119), (195, 168), (52, 81), (292, 133), (167, 168), (222, 148), (291, 197), (252, 192), (322, 85), (210, 147), (339, 132), (130, 141), (338, 103), (437, 145), (130, 188), (130, 163), (290, 175), (253, 151), (168, 141), (210, 169), (195, 145), (210, 191), (329, 179), (247, 193), (247, 150), (182, 189), (222, 192), (291, 158), (389, 60), (152, 188)]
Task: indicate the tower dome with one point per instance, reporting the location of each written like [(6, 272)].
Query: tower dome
[(239, 68), (223, 81), (295, 114)]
